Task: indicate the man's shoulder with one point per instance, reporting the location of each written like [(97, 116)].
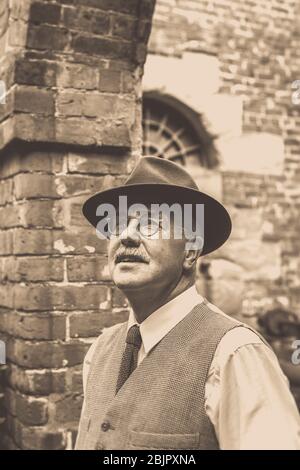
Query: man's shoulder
[(215, 317), (238, 332)]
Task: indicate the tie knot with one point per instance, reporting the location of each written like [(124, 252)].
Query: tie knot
[(134, 336)]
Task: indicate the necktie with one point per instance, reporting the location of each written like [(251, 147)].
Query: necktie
[(130, 355)]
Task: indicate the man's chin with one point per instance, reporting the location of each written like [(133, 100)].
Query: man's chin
[(130, 282)]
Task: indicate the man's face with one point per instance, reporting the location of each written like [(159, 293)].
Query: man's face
[(137, 261)]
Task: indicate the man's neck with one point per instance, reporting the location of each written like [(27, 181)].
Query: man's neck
[(145, 301)]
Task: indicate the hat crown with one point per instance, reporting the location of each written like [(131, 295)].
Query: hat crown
[(155, 170)]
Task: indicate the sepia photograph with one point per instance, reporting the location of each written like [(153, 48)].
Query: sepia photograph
[(149, 227)]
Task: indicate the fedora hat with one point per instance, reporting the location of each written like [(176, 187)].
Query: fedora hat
[(156, 180)]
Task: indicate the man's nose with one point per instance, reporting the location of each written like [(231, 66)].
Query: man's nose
[(130, 235)]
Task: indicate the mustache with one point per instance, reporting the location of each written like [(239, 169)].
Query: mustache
[(131, 255)]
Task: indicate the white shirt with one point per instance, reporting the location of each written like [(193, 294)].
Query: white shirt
[(247, 397)]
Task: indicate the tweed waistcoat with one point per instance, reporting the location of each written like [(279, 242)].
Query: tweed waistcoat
[(162, 403)]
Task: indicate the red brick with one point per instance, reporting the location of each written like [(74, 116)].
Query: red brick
[(124, 27), (129, 7), (32, 161), (2, 408), (101, 46), (76, 217), (37, 326), (147, 9), (77, 385), (35, 72), (6, 191), (94, 105), (6, 296), (34, 100), (110, 81), (17, 33), (115, 64), (35, 438), (116, 133), (90, 324), (45, 13), (74, 352), (34, 269), (144, 30), (7, 108), (34, 382), (32, 186), (88, 268), (30, 214), (78, 131), (45, 354), (34, 127), (78, 76), (70, 103), (140, 53), (3, 277), (36, 213), (8, 443), (87, 20), (10, 401), (10, 216), (98, 163), (76, 185), (103, 132), (68, 408), (32, 242), (19, 10), (47, 37), (31, 411), (42, 297), (3, 377), (7, 71), (6, 243)]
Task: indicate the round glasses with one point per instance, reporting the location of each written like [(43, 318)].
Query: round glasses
[(146, 226)]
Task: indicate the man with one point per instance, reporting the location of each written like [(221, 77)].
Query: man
[(179, 374)]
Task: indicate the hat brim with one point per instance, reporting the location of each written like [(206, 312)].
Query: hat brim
[(217, 222)]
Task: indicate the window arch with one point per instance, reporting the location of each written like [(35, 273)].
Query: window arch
[(174, 131)]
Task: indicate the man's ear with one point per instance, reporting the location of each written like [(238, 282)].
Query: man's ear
[(190, 258), (193, 249)]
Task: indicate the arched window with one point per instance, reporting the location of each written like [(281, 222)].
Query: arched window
[(174, 131)]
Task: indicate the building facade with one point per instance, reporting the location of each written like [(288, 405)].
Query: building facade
[(217, 97)]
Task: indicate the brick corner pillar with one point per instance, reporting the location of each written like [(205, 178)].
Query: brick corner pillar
[(70, 125)]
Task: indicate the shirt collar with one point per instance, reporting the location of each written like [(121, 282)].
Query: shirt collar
[(162, 320)]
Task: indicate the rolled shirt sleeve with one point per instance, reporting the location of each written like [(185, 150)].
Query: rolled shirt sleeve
[(248, 398)]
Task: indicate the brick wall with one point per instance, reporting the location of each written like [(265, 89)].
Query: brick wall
[(255, 48), (70, 127)]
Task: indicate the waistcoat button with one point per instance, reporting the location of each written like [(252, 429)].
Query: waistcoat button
[(105, 426)]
